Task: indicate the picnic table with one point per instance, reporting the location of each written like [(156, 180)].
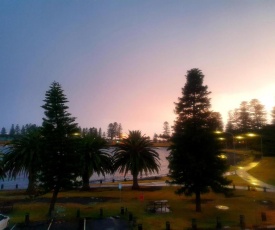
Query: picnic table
[(160, 205)]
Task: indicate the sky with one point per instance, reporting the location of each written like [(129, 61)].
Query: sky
[(125, 61)]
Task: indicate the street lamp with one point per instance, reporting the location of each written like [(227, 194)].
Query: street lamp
[(233, 144), (257, 135), (223, 140)]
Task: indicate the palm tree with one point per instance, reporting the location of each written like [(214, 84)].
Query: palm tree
[(2, 171), (94, 158), (23, 156), (135, 154)]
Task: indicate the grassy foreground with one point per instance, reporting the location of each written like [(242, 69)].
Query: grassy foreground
[(248, 203), (251, 204)]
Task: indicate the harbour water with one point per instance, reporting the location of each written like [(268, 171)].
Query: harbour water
[(21, 181)]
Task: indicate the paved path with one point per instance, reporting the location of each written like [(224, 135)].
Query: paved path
[(242, 172)]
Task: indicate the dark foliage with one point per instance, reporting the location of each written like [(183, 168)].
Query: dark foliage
[(94, 157), (268, 140), (135, 154), (24, 156), (60, 159), (194, 160)]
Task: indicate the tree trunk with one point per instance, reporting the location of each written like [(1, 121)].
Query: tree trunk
[(31, 185), (198, 201), (86, 180), (135, 182), (53, 200)]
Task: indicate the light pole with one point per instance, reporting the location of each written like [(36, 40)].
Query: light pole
[(261, 141), (233, 144), (223, 140)]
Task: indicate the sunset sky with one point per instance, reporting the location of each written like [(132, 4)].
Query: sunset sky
[(126, 61)]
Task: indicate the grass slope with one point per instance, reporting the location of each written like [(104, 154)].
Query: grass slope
[(248, 203), (265, 170)]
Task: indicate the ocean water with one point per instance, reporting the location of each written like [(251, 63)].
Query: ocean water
[(21, 182)]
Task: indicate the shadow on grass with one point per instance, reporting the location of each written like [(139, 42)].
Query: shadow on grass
[(150, 189), (76, 200)]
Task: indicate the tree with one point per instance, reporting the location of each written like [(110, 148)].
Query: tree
[(155, 138), (94, 158), (3, 131), (268, 140), (166, 131), (273, 116), (2, 171), (23, 130), (244, 120), (194, 161), (93, 130), (17, 130), (24, 156), (231, 125), (215, 121), (248, 117), (119, 131), (257, 114), (60, 159), (12, 130), (135, 154), (114, 130), (100, 132)]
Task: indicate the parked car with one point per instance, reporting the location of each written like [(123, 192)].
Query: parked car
[(4, 222)]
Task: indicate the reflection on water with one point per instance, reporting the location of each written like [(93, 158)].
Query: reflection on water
[(22, 180)]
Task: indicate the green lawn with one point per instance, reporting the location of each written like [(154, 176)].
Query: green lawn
[(248, 203), (265, 170)]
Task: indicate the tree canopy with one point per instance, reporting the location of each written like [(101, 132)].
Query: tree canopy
[(249, 117), (273, 116), (114, 130)]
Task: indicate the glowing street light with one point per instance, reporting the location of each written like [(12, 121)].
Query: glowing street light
[(222, 139), (239, 137), (233, 143), (257, 135)]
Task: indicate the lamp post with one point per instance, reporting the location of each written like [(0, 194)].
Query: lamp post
[(223, 140), (233, 144), (261, 141)]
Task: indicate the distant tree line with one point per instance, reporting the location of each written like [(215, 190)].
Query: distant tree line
[(114, 131), (16, 130)]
